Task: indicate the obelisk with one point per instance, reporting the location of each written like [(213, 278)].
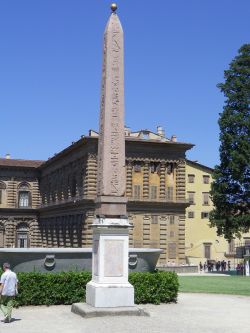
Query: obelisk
[(109, 286)]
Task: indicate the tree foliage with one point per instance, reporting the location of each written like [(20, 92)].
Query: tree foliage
[(230, 190)]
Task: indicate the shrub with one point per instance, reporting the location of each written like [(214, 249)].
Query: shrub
[(69, 287), (156, 288)]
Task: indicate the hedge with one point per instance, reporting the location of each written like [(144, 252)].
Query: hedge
[(69, 287)]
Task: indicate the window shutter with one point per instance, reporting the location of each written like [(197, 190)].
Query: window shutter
[(171, 219), (154, 219), (137, 191), (170, 193), (153, 192)]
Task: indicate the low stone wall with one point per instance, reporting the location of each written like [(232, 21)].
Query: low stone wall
[(179, 269), (71, 259)]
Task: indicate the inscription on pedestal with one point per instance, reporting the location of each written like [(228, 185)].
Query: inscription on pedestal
[(113, 251)]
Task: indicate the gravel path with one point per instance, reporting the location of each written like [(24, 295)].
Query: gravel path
[(192, 314)]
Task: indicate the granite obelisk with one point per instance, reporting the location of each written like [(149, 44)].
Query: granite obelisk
[(111, 201), (109, 286)]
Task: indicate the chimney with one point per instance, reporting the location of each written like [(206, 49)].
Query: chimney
[(160, 131), (174, 138), (127, 131), (7, 156)]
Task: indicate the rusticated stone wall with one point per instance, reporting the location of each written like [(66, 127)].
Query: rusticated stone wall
[(10, 226), (63, 193)]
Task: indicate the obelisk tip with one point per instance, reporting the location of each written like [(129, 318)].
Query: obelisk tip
[(113, 7)]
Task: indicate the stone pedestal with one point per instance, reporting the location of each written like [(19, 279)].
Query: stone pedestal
[(109, 286), (111, 206)]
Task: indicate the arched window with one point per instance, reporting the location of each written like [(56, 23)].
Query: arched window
[(22, 235), (24, 195), (1, 235), (2, 193)]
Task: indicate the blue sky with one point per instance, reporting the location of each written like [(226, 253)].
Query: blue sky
[(175, 54)]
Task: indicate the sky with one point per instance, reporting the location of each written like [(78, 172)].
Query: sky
[(175, 55)]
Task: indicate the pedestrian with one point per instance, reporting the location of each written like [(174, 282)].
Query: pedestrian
[(8, 291), (205, 267), (201, 266)]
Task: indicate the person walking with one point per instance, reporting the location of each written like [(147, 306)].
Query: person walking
[(8, 291)]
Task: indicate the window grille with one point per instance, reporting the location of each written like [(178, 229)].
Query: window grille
[(171, 219), (206, 179), (137, 191), (154, 219), (170, 193), (205, 196), (153, 192), (191, 197), (191, 215), (191, 178)]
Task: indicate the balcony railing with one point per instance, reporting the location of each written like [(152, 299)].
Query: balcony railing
[(77, 198), (174, 200), (64, 201)]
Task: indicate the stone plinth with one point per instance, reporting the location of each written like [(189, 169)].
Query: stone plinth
[(111, 206), (88, 311), (109, 286)]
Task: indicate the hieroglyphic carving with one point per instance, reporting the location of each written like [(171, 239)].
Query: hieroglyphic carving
[(111, 147)]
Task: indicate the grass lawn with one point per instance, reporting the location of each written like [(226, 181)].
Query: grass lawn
[(234, 285)]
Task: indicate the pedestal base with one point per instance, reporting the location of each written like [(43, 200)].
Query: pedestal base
[(102, 295), (88, 311)]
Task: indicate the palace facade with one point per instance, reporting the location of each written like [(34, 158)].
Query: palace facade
[(202, 242), (51, 203)]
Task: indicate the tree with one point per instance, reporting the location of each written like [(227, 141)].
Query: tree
[(230, 191)]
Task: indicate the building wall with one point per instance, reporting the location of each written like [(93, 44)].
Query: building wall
[(63, 192), (18, 216), (198, 234), (14, 181)]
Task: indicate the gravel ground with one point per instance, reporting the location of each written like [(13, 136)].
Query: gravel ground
[(192, 314)]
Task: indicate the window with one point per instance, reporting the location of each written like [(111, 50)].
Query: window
[(137, 167), (2, 190), (170, 193), (191, 178), (153, 192), (24, 195), (170, 168), (171, 219), (191, 215), (137, 191), (154, 167), (23, 199), (172, 250), (247, 241), (206, 179), (231, 248), (205, 198), (207, 251), (22, 238), (171, 233), (154, 219), (1, 235), (191, 197), (204, 215)]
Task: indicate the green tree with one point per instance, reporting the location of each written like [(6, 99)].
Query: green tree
[(230, 191)]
